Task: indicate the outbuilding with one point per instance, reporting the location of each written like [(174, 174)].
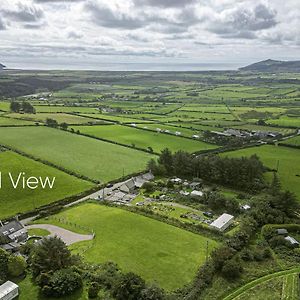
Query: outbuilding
[(9, 291), (223, 222), (292, 241)]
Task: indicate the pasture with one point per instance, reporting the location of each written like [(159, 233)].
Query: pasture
[(14, 122), (140, 244), (287, 159), (144, 138), (295, 141), (86, 156), (59, 117), (13, 201)]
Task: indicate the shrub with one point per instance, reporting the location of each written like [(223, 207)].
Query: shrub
[(62, 283), (16, 265), (232, 269), (94, 289)]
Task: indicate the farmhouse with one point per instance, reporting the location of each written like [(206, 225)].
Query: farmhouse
[(292, 241), (9, 291), (13, 231), (136, 182), (223, 222)]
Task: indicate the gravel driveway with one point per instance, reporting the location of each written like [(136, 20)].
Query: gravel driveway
[(67, 236)]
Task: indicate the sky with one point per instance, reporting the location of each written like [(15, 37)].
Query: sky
[(147, 34)]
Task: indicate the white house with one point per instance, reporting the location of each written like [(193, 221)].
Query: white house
[(223, 222), (9, 291), (177, 133)]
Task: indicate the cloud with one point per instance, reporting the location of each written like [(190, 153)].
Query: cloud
[(23, 13), (165, 3), (74, 35), (105, 16), (55, 1), (2, 26), (243, 21)]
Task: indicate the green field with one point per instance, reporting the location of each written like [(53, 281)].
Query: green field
[(293, 141), (59, 117), (287, 158), (140, 244), (90, 157), (14, 122), (13, 201), (64, 109), (286, 121), (144, 138)]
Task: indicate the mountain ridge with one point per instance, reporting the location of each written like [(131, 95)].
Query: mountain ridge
[(271, 65)]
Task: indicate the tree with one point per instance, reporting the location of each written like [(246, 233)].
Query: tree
[(51, 254), (16, 265), (28, 108), (51, 123), (232, 269), (149, 187), (166, 159), (64, 126), (15, 106), (62, 283), (221, 255), (3, 265), (275, 185), (129, 287)]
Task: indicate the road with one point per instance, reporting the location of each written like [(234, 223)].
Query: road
[(67, 236)]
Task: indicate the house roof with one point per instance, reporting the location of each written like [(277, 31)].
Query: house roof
[(7, 288), (10, 228), (222, 220)]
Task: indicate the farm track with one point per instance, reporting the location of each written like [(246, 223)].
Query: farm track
[(260, 280)]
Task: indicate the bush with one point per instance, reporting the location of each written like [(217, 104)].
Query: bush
[(62, 283), (94, 289), (16, 265), (232, 269)]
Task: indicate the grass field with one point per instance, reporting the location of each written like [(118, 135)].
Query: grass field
[(59, 117), (289, 163), (38, 232), (144, 138), (90, 157), (286, 121), (293, 141), (136, 243), (13, 201), (13, 122), (269, 290), (64, 109)]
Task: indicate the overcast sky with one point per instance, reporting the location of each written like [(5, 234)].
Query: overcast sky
[(88, 34)]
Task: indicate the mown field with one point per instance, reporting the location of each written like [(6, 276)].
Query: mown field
[(288, 160), (13, 201), (140, 244), (86, 156), (144, 138)]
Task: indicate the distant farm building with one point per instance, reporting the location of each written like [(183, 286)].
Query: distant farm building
[(223, 222), (292, 241), (9, 291)]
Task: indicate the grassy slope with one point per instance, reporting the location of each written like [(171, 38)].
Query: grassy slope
[(155, 250), (289, 163), (293, 141), (13, 201), (10, 121), (90, 157), (143, 138)]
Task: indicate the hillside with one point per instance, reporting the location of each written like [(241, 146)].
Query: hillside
[(270, 65)]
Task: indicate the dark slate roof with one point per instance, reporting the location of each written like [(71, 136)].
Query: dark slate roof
[(10, 228), (282, 231)]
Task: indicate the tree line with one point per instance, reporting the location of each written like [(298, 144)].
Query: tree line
[(240, 173)]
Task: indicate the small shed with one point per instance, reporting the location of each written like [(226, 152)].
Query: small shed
[(196, 194), (292, 241), (223, 222), (9, 291), (282, 231)]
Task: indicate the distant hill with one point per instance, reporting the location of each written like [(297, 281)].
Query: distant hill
[(270, 65), (2, 67)]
